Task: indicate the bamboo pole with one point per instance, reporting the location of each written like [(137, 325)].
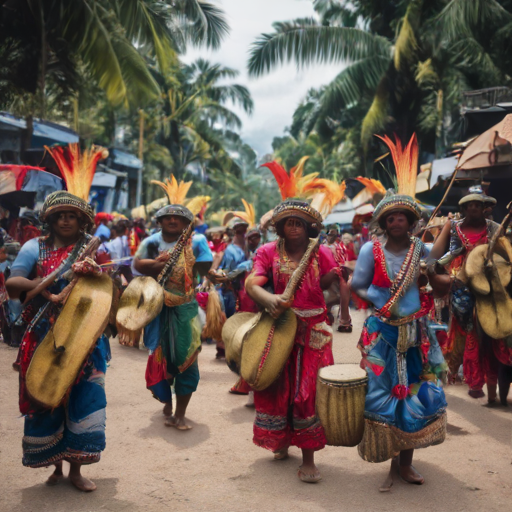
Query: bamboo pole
[(434, 213)]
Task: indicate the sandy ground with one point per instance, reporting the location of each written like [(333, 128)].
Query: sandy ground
[(215, 466)]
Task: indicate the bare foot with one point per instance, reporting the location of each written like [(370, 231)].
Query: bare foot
[(281, 454), (393, 472), (179, 423), (82, 483), (410, 475), (309, 474), (56, 476), (168, 409)]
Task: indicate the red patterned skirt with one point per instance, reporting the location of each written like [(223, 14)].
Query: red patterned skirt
[(285, 412)]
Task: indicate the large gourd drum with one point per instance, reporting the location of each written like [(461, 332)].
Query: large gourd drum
[(266, 348), (340, 398), (233, 334)]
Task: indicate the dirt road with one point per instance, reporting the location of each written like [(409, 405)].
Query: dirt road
[(215, 466)]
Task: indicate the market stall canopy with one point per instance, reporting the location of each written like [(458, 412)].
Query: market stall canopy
[(342, 214), (432, 172), (44, 132), (493, 147), (23, 185)]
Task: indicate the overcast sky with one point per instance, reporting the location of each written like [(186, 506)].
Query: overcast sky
[(277, 94)]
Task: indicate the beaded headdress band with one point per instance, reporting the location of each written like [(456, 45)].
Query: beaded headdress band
[(300, 209), (175, 209)]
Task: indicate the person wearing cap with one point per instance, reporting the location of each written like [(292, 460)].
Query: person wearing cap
[(174, 336), (75, 430), (285, 411), (464, 346), (404, 398)]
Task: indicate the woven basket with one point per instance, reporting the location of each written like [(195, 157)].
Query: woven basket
[(381, 442)]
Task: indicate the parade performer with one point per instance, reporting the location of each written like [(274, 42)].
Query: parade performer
[(75, 430), (174, 336), (464, 344), (245, 304), (340, 254), (285, 411), (405, 405), (102, 230)]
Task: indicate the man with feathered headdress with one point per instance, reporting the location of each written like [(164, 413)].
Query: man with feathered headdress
[(405, 404), (73, 431), (174, 336)]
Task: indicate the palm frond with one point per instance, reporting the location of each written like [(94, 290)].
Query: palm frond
[(361, 77), (376, 117), (207, 24), (148, 22), (306, 42), (460, 17), (406, 44)]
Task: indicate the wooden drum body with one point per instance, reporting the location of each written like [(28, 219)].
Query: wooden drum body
[(340, 398)]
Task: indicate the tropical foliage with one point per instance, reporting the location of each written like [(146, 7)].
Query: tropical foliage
[(404, 65)]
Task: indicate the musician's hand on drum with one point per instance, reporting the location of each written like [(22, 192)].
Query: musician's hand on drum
[(276, 305)]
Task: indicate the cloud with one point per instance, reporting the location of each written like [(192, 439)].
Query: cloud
[(277, 94)]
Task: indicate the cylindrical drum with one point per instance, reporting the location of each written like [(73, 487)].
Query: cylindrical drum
[(340, 397)]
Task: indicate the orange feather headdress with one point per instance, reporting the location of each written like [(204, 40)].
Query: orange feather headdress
[(406, 167), (326, 194), (406, 163), (77, 168), (291, 184)]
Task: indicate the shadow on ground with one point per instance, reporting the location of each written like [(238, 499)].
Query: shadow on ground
[(181, 439), (356, 487), (500, 430), (66, 498)]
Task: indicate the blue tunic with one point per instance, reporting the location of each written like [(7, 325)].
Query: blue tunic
[(408, 396)]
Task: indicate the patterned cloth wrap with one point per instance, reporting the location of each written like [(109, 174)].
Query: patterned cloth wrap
[(74, 431), (285, 411), (174, 336), (402, 361)]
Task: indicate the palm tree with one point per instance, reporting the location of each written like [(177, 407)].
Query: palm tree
[(112, 38), (196, 115), (389, 47)]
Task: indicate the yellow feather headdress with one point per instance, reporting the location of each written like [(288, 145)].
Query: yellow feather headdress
[(249, 215), (177, 194)]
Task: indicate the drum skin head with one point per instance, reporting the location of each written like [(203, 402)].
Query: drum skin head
[(140, 303), (81, 322), (342, 373)]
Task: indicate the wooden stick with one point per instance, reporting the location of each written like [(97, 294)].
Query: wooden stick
[(452, 181)]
